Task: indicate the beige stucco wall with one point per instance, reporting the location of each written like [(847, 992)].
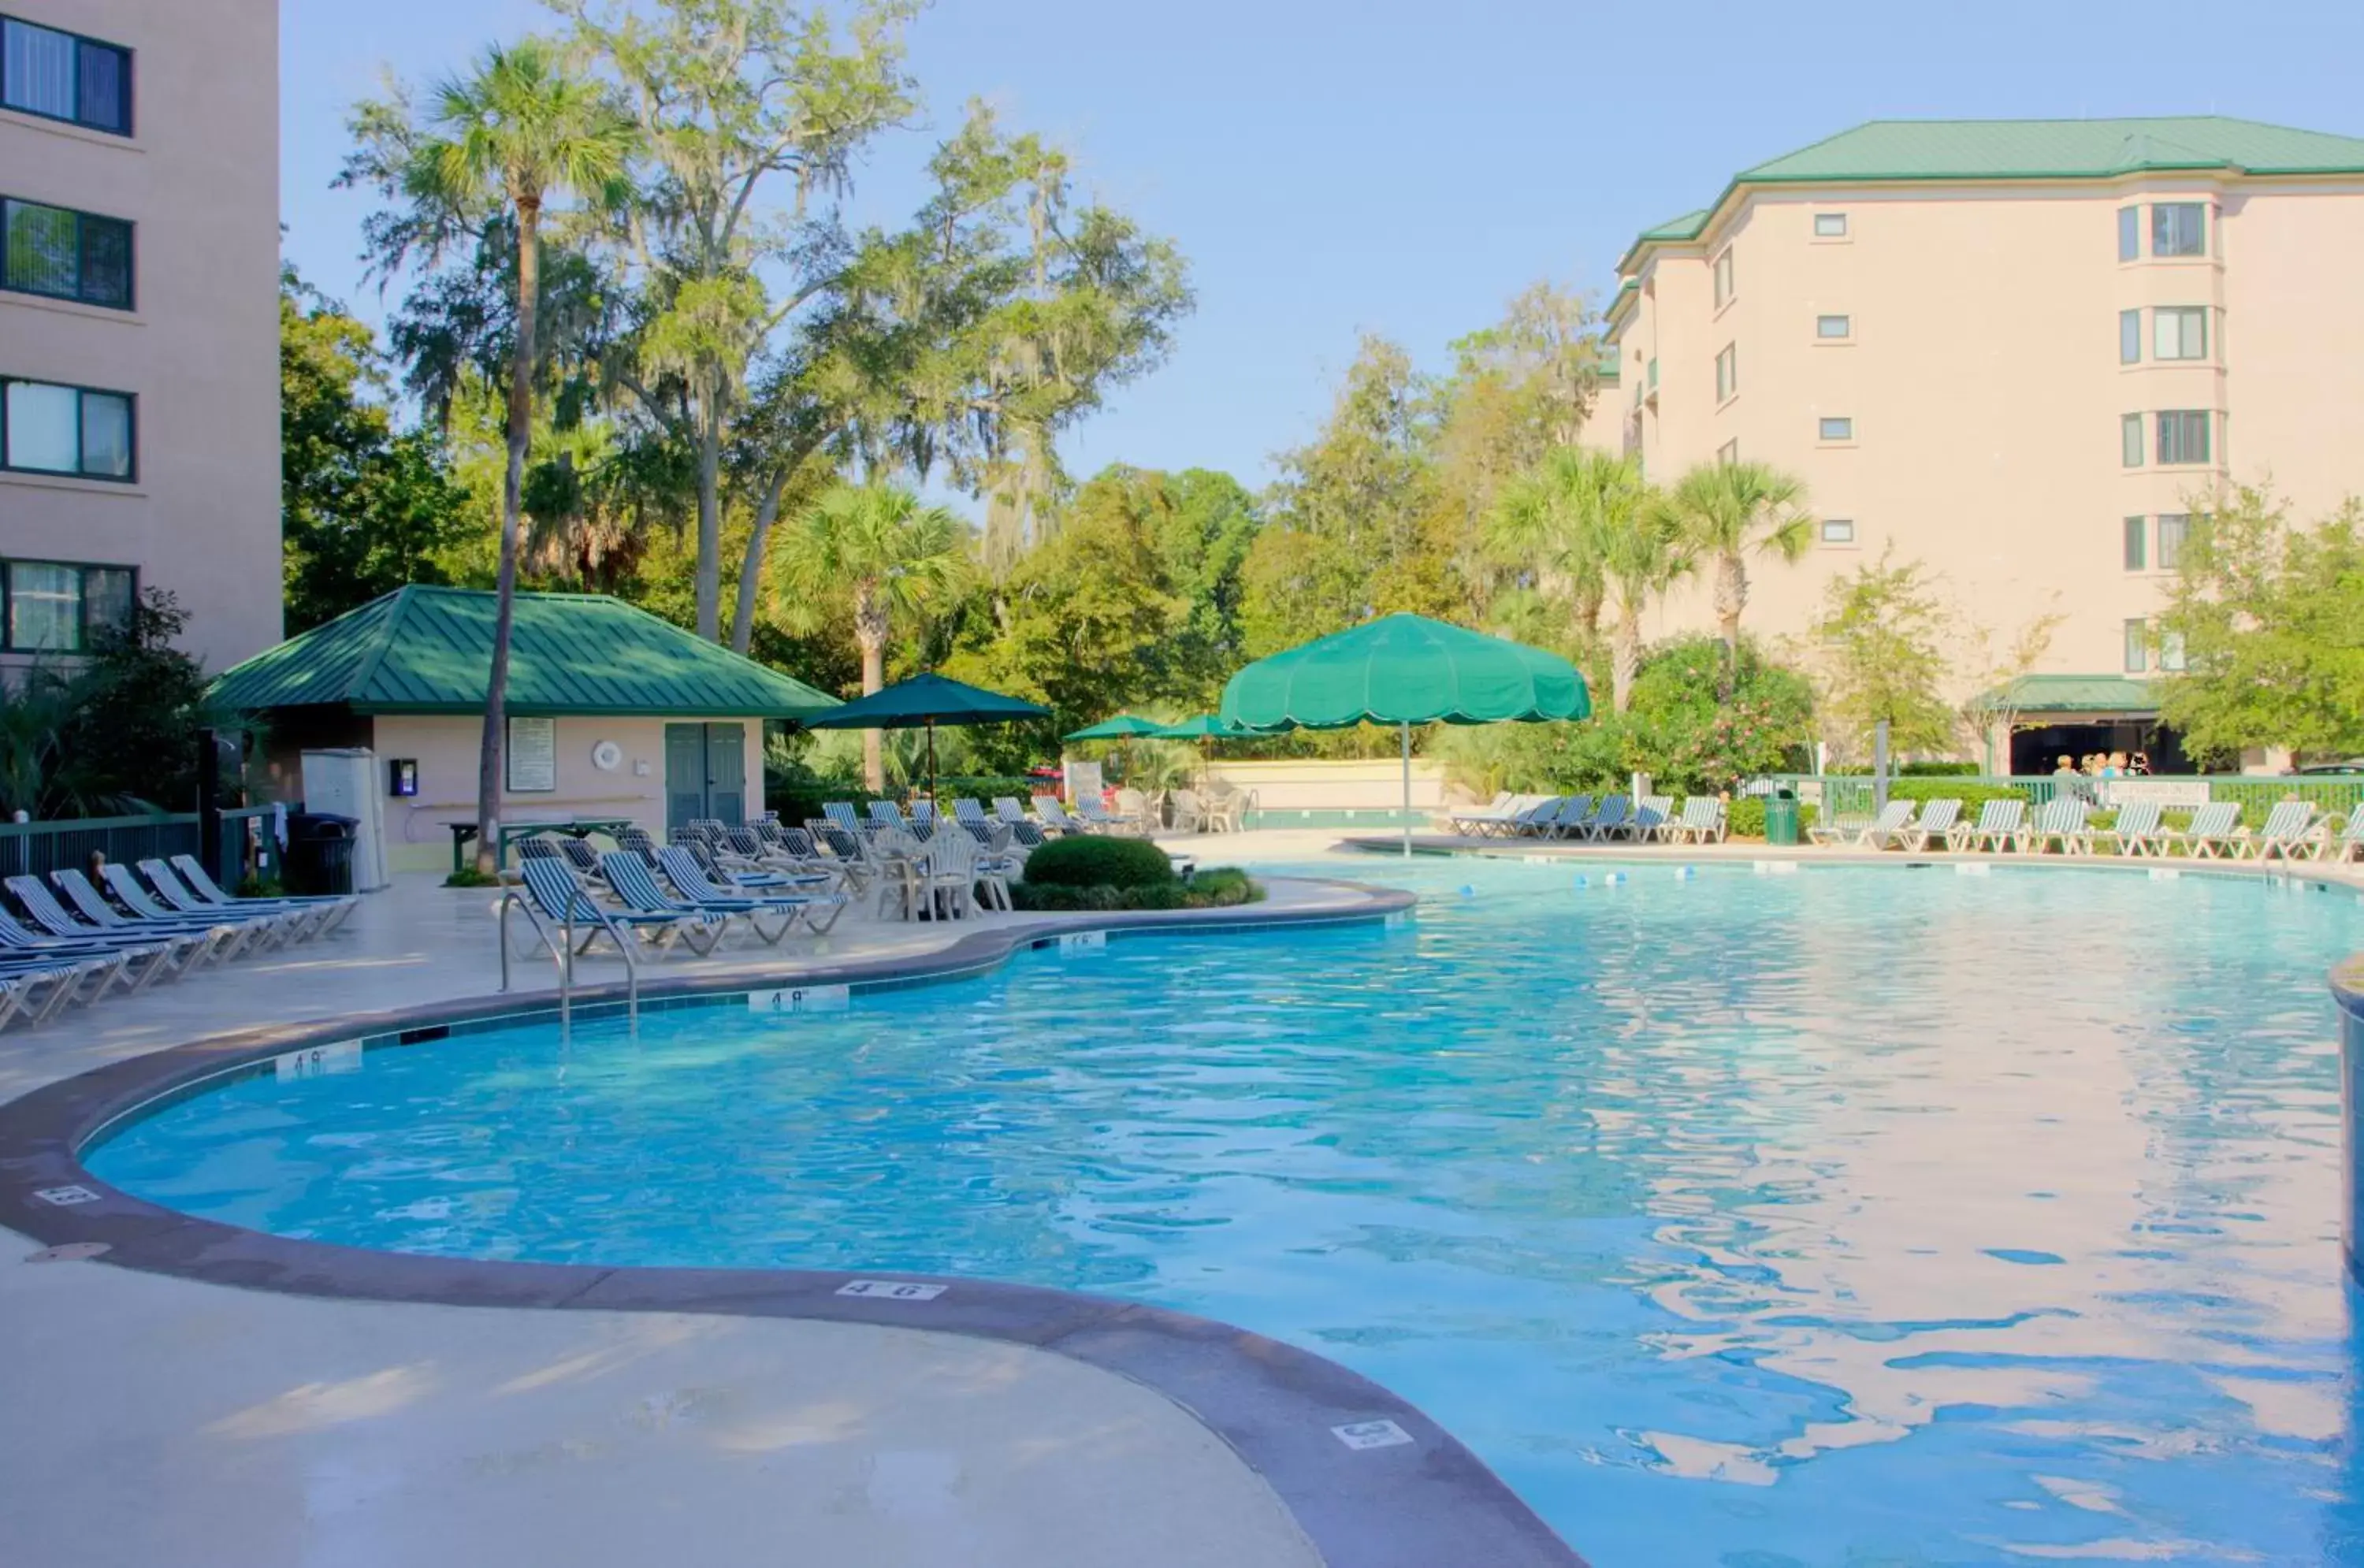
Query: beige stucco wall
[(1312, 784), (1984, 381), (200, 180), (447, 751)]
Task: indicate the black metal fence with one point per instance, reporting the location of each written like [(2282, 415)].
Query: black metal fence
[(249, 843)]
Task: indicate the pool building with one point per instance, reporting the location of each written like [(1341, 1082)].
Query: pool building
[(612, 713)]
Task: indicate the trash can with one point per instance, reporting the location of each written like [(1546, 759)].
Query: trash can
[(1781, 817), (320, 856)]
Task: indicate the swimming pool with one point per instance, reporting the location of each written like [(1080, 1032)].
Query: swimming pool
[(1855, 1217)]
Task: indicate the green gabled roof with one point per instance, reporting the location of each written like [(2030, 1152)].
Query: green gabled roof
[(2060, 149), (421, 649), (2034, 149), (2071, 693)]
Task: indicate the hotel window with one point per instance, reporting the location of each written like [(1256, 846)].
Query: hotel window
[(1724, 277), (1837, 429), (2130, 440), (1838, 530), (2129, 233), (1830, 328), (56, 607), (62, 77), (1727, 373), (2183, 435), (2129, 337), (2174, 528), (47, 429), (2171, 652), (1830, 226), (2137, 647), (65, 254), (1729, 452), (2135, 554), (2180, 333), (2179, 229)]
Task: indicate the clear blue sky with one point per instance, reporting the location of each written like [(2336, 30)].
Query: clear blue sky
[(1336, 166)]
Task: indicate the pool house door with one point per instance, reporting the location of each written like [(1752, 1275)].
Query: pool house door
[(706, 773)]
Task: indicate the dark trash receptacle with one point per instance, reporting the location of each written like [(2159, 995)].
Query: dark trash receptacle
[(319, 857), (1782, 817)]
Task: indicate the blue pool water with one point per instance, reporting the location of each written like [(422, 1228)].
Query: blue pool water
[(1856, 1217)]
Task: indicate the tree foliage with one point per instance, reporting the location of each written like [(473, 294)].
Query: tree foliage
[(365, 508), (1880, 648), (2268, 617)]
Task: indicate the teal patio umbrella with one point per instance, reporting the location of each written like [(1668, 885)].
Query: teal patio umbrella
[(1205, 726), (927, 700), (1123, 727), (1405, 670)]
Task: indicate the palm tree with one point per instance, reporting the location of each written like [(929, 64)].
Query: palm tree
[(1728, 511), (1588, 519), (893, 553), (500, 143)]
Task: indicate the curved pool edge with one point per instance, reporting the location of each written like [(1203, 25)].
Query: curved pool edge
[(1392, 1489)]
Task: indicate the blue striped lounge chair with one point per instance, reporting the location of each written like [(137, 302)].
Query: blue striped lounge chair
[(2061, 821), (189, 945), (37, 989), (659, 917), (1609, 820), (1055, 818), (132, 962), (1565, 820), (691, 880), (887, 814), (201, 882), (2000, 825), (2134, 831), (303, 920), (2214, 832), (271, 926), (1649, 823), (2292, 830), (1529, 820)]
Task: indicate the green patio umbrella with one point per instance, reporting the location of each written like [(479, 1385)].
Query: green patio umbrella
[(1405, 670), (927, 700), (1123, 727)]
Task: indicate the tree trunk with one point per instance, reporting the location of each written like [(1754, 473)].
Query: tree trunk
[(751, 571), (870, 631), (1731, 598), (709, 517), (521, 431), (1625, 657)]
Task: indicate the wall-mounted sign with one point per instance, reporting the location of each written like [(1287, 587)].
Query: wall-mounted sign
[(533, 756)]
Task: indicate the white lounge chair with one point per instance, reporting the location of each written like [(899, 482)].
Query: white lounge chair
[(2135, 830), (2290, 830), (2214, 833), (1475, 820), (1892, 819), (2061, 821), (2000, 825), (1701, 823), (1936, 823)]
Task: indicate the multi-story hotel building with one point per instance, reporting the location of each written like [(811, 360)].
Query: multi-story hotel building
[(138, 320), (2020, 352)]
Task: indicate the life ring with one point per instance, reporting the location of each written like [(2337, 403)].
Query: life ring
[(607, 756)]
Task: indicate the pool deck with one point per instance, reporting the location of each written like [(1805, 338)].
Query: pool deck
[(407, 1411), (156, 1417)]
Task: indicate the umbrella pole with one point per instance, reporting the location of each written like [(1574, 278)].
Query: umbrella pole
[(931, 761), (1407, 789)]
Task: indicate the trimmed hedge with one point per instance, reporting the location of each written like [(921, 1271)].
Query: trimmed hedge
[(1098, 862), (1217, 889)]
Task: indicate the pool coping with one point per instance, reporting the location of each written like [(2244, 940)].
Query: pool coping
[(1370, 1480)]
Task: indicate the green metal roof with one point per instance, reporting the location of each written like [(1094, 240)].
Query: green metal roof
[(421, 649), (2034, 150), (2072, 694)]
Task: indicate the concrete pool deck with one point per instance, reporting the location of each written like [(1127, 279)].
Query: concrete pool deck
[(303, 1423)]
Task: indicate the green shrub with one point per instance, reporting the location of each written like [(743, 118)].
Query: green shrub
[(468, 876), (1939, 770), (1100, 862), (1219, 888)]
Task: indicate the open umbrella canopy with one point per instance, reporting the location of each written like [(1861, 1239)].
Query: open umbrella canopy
[(1123, 727), (1205, 726), (927, 700), (1403, 670)]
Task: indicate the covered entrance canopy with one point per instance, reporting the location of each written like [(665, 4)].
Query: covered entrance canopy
[(2045, 717)]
